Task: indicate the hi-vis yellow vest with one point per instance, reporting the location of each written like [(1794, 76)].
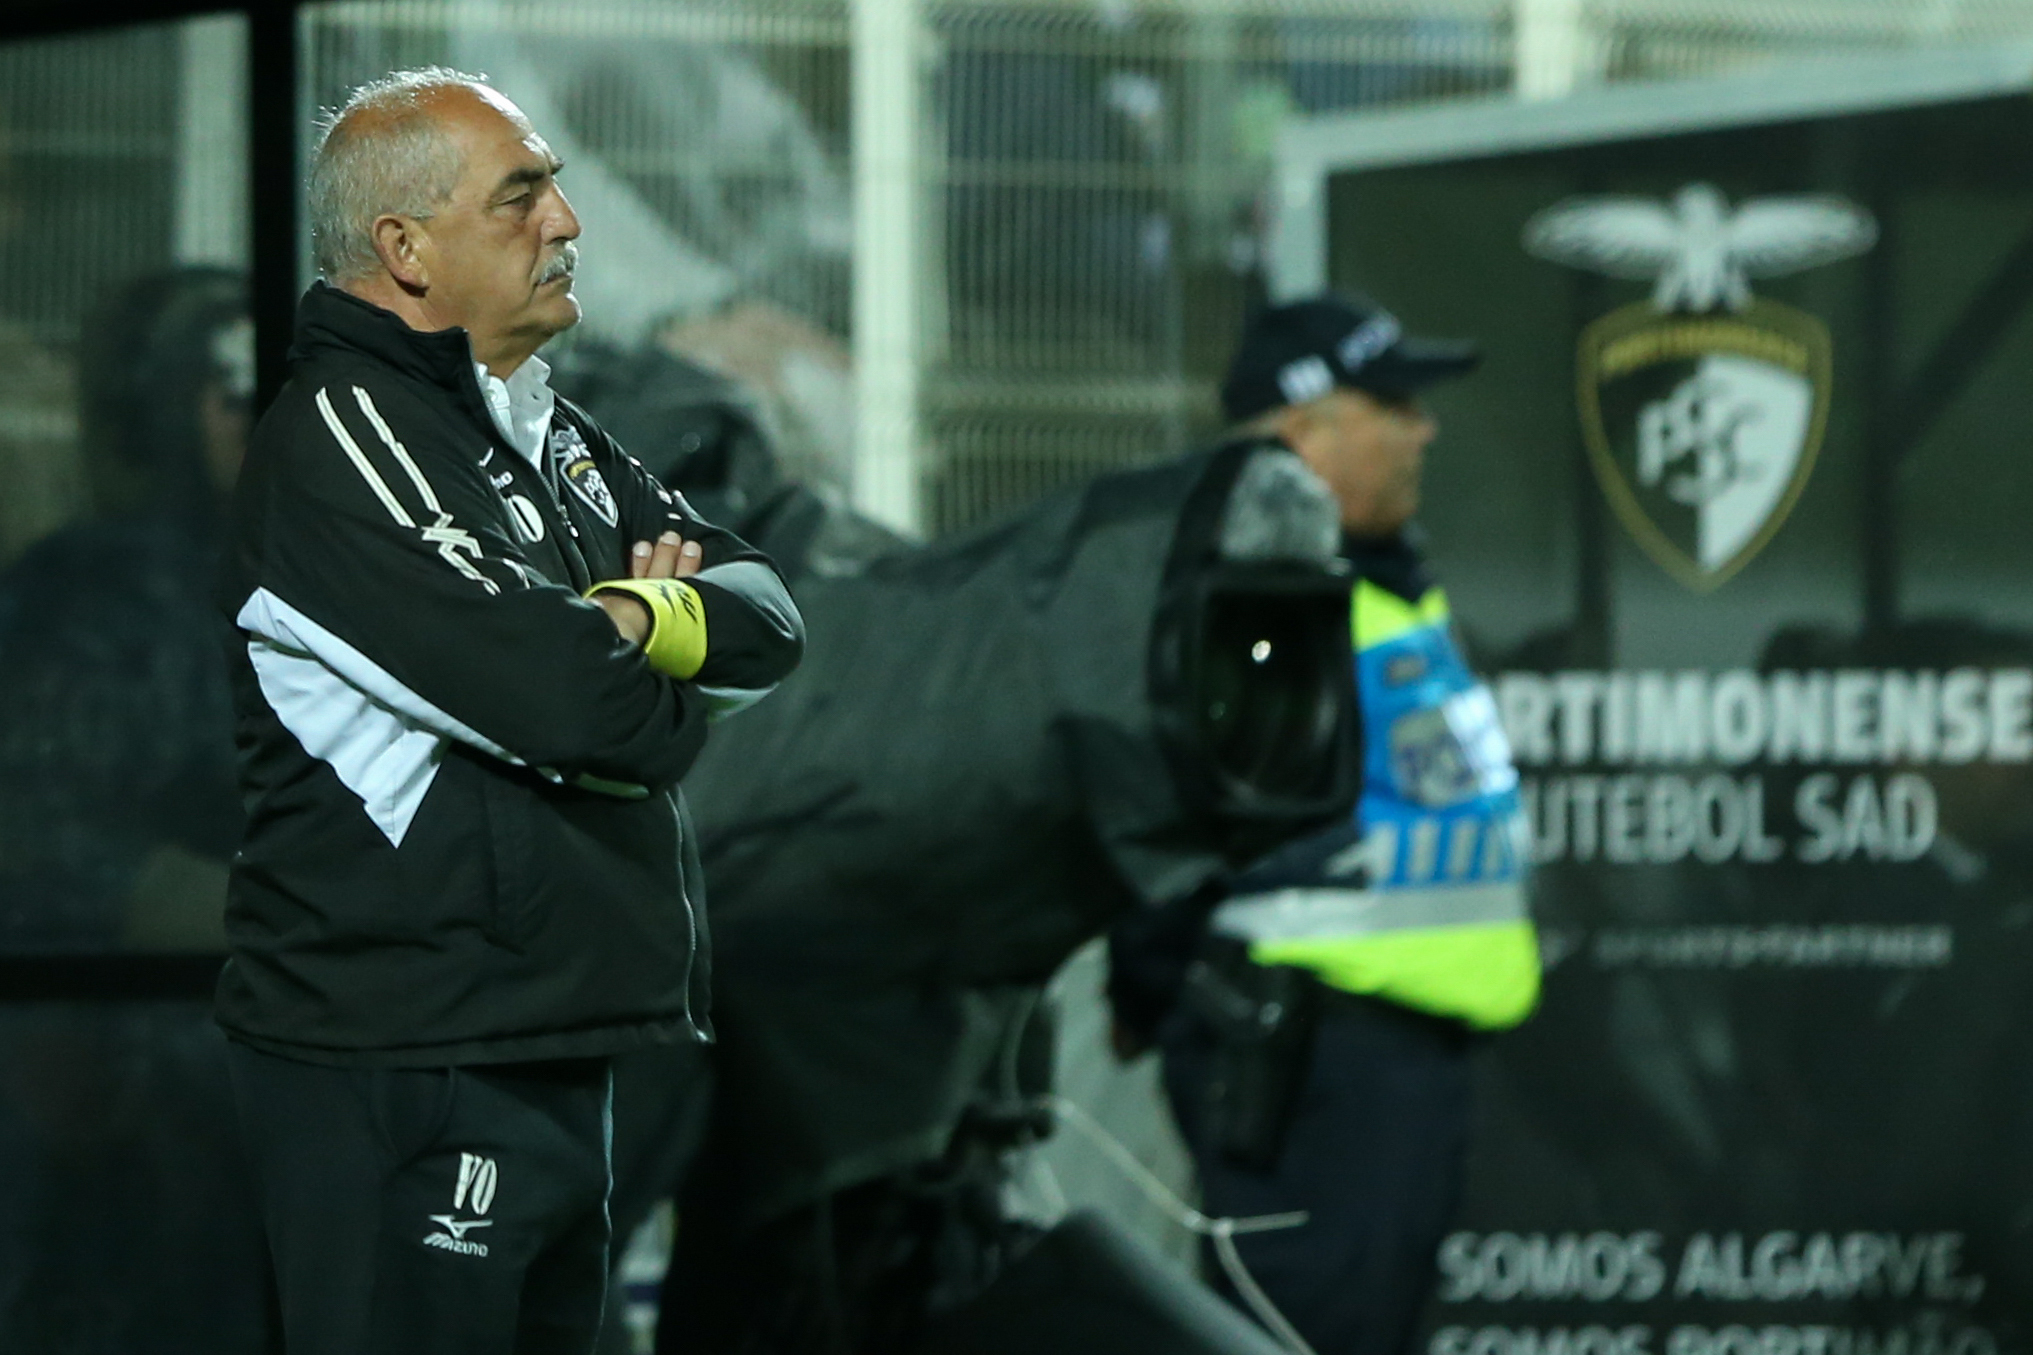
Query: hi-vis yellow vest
[(1420, 898)]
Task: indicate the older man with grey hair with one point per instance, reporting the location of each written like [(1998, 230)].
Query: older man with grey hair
[(477, 647)]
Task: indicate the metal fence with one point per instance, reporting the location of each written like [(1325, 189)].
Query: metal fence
[(1087, 176), (1095, 173), (1085, 192), (87, 165), (1099, 175), (1087, 184)]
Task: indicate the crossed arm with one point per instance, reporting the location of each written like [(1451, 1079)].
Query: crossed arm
[(670, 556), (390, 571)]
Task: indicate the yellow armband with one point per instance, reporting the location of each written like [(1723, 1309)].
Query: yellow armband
[(676, 643)]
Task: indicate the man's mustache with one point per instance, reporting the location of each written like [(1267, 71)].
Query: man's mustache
[(562, 264)]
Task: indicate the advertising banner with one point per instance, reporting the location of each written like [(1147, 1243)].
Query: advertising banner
[(1736, 518)]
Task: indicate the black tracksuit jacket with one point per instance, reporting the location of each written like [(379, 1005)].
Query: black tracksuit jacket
[(465, 842)]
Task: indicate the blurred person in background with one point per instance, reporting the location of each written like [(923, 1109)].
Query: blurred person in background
[(118, 808), (125, 1221), (1317, 1017)]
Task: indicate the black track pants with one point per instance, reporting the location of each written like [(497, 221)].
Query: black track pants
[(434, 1211)]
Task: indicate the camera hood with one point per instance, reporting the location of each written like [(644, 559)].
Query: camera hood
[(997, 745)]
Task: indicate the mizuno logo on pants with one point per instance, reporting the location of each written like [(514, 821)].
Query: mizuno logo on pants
[(475, 1190)]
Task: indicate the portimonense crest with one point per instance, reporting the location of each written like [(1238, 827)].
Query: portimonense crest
[(1703, 409)]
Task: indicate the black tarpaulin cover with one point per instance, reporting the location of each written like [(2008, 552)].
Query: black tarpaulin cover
[(988, 754)]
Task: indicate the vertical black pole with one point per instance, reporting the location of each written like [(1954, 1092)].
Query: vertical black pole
[(274, 193), (277, 191)]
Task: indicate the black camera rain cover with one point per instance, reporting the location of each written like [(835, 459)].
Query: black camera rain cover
[(968, 779)]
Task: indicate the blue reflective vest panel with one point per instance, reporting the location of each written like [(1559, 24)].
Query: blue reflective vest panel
[(1419, 899)]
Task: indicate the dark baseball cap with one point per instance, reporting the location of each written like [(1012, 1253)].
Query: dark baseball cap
[(1299, 352)]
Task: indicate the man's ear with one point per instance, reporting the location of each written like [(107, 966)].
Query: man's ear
[(398, 241), (1295, 423)]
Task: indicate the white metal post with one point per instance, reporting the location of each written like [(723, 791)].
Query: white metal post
[(1296, 257), (1552, 48), (211, 144), (885, 74)]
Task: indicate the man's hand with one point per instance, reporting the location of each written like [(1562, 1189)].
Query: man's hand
[(672, 557)]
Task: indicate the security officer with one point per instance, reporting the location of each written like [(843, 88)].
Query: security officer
[(1317, 1017)]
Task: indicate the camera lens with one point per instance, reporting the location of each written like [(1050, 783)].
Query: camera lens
[(1269, 691)]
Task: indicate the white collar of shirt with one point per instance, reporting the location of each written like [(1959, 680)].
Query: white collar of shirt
[(522, 406)]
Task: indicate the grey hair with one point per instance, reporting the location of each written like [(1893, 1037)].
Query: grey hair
[(407, 166)]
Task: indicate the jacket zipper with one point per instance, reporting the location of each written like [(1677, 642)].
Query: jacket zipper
[(568, 546), (691, 923)]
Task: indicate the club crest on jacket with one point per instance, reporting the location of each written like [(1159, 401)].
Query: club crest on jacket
[(575, 468)]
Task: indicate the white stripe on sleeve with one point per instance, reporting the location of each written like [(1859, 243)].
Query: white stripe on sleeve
[(360, 461), (456, 546)]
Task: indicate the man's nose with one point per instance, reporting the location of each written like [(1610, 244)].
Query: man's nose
[(563, 222), (1424, 426)]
